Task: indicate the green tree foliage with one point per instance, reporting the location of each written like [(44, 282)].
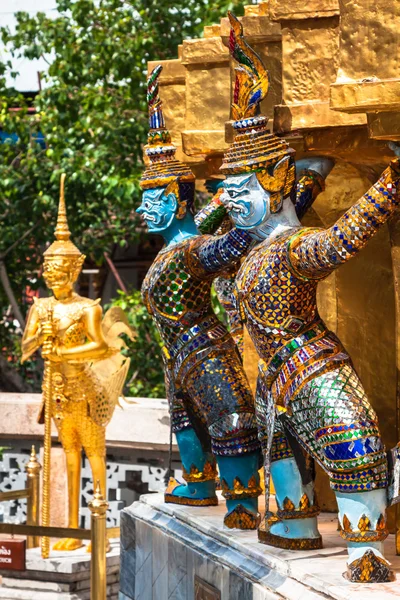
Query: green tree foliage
[(92, 115)]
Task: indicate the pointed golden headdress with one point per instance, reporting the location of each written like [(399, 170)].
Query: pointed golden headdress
[(254, 147), (62, 246), (164, 168)]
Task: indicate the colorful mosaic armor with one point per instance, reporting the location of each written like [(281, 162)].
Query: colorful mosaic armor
[(211, 404), (213, 218), (309, 396)]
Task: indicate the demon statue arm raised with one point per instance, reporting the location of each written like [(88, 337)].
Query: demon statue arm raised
[(315, 255), (310, 182), (213, 217)]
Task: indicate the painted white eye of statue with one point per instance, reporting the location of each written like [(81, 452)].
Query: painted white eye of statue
[(246, 201)]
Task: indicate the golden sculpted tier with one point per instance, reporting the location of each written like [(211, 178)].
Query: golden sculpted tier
[(84, 368)]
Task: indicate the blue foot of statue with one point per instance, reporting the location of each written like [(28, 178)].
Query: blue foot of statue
[(290, 534), (294, 526), (199, 473), (363, 526), (242, 514), (201, 493), (240, 484)]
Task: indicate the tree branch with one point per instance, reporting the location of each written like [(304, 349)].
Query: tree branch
[(17, 242), (10, 294), (115, 273)]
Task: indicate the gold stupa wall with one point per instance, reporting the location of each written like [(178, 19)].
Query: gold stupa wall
[(335, 71)]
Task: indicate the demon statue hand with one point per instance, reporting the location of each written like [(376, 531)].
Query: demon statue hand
[(88, 370), (211, 405), (309, 396)]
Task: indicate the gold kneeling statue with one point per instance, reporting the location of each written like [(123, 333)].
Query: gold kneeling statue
[(84, 368)]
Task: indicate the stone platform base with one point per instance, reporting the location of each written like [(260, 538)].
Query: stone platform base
[(63, 576), (171, 552)]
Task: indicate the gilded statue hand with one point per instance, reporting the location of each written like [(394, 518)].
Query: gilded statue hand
[(45, 331), (47, 348), (51, 350)]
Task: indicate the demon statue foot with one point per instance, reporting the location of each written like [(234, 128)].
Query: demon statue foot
[(201, 493), (244, 515), (199, 473), (290, 534), (240, 484), (371, 567), (294, 526)]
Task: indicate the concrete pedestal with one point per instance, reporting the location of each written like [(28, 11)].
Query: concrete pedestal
[(169, 552), (63, 576)]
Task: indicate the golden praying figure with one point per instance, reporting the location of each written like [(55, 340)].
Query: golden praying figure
[(85, 370)]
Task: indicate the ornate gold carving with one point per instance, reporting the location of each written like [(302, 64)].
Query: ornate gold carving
[(304, 503), (173, 188), (364, 524), (253, 489), (364, 532), (241, 518), (305, 510), (370, 569), (346, 523), (288, 505), (208, 473), (252, 78), (181, 500), (254, 147), (381, 524), (279, 184), (163, 168)]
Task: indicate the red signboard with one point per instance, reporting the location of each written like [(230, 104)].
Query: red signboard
[(12, 555)]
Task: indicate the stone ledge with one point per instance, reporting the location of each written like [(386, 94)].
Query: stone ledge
[(366, 96), (173, 72), (212, 30), (63, 576), (19, 420), (312, 115), (202, 142), (155, 535), (302, 9), (258, 29), (384, 125), (203, 51)]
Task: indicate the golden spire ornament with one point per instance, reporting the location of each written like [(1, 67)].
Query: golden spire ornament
[(254, 148), (62, 245)]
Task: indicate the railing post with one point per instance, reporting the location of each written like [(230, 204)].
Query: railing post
[(33, 469), (98, 579)]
